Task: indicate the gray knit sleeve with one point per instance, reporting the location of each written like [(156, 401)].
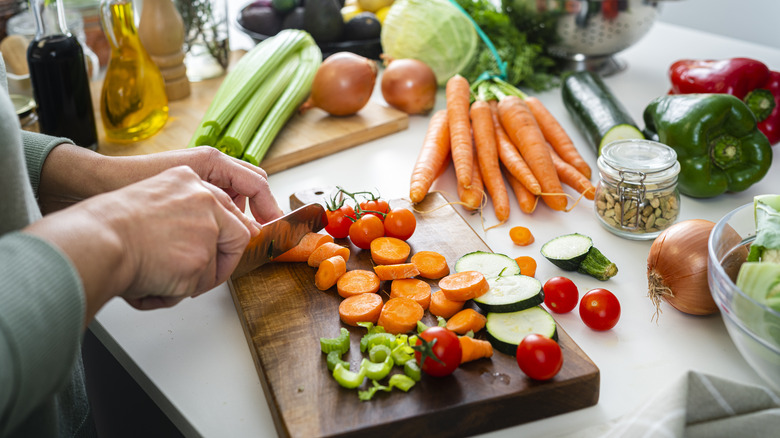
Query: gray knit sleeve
[(36, 149)]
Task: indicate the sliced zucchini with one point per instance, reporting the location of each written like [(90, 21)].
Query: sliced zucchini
[(575, 252), (511, 293), (490, 264), (505, 331)]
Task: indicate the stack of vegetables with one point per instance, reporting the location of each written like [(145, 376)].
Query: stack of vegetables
[(259, 95)]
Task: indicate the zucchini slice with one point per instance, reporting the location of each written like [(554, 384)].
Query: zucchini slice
[(490, 264), (511, 293), (505, 331), (575, 252)]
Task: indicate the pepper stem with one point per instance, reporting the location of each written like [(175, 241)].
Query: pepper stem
[(725, 151), (762, 102)]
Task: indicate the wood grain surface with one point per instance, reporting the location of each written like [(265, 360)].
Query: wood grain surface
[(305, 137), (284, 315)]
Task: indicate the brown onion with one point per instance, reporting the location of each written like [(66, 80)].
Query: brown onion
[(409, 85), (677, 268), (343, 84)]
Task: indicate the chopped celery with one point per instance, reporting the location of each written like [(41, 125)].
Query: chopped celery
[(378, 353), (400, 381), (376, 371), (371, 339), (333, 359), (348, 379), (412, 369), (340, 343)]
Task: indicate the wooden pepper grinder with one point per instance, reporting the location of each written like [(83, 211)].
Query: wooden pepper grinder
[(161, 30)]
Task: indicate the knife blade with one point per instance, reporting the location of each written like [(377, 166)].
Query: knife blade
[(280, 235)]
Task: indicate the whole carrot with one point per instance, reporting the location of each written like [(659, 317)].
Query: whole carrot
[(512, 160), (525, 199), (471, 197), (457, 93), (572, 177), (521, 127), (432, 157), (557, 137), (487, 158)]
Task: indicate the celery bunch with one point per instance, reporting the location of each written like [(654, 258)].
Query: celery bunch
[(259, 95)]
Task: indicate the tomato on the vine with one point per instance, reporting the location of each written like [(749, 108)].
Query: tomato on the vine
[(400, 223), (367, 228), (438, 351), (339, 221), (539, 357), (377, 207), (560, 295), (600, 309)]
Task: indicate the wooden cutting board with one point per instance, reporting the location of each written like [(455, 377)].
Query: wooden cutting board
[(284, 315), (304, 138)]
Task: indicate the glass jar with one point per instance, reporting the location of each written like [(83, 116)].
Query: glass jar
[(637, 196)]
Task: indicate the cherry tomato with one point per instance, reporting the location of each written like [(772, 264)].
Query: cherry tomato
[(539, 357), (444, 345), (560, 295), (366, 229), (339, 221), (400, 223), (600, 309), (376, 207)]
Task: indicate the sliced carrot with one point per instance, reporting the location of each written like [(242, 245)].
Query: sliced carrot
[(525, 199), (301, 252), (557, 137), (326, 251), (361, 308), (457, 95), (527, 265), (432, 158), (472, 196), (389, 251), (443, 306), (400, 315), (487, 158), (431, 264), (465, 321), (394, 272), (521, 236), (356, 282), (412, 288), (572, 177), (329, 271), (463, 286), (473, 349)]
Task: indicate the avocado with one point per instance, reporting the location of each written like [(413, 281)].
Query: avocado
[(363, 26), (322, 19), (294, 20), (261, 19)]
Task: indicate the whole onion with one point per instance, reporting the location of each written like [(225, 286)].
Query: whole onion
[(342, 85), (409, 85)]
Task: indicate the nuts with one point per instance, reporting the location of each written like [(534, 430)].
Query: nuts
[(651, 213)]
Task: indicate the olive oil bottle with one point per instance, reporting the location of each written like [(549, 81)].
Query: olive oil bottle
[(133, 103)]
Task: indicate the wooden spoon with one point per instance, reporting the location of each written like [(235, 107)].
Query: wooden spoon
[(14, 49)]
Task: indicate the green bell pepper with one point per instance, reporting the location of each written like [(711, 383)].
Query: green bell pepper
[(718, 144)]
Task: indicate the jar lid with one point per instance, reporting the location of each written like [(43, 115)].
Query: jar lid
[(634, 158)]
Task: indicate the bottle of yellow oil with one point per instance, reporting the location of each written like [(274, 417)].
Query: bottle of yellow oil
[(133, 103)]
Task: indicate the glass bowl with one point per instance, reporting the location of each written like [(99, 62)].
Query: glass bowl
[(753, 327)]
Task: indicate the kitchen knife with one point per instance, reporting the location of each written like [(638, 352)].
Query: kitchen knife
[(280, 235)]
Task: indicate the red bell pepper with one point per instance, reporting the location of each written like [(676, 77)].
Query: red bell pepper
[(747, 79)]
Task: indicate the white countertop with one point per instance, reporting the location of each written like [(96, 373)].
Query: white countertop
[(195, 363)]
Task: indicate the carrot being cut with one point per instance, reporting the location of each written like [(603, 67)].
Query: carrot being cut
[(467, 320), (557, 137), (443, 306), (473, 349), (432, 157), (487, 158), (457, 94), (394, 272), (521, 236), (389, 251), (431, 264), (512, 160), (361, 308), (525, 199), (471, 197), (412, 288), (301, 252), (522, 129), (356, 282), (572, 177), (527, 265), (400, 315), (329, 271), (462, 286), (326, 251)]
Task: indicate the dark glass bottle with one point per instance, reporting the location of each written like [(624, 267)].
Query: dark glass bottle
[(59, 78)]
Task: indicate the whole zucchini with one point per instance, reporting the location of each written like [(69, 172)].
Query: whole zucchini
[(598, 115)]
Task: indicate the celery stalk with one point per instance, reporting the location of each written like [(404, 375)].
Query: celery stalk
[(292, 97)]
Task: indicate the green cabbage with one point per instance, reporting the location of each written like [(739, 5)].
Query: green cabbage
[(433, 31)]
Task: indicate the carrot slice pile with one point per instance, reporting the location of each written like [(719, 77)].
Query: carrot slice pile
[(443, 306), (326, 251), (463, 286), (329, 271), (466, 320), (400, 315), (360, 308), (356, 282), (431, 264), (394, 272), (473, 349), (302, 251), (412, 288), (389, 251)]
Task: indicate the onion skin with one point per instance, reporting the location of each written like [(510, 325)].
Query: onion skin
[(677, 268), (342, 85), (409, 85)]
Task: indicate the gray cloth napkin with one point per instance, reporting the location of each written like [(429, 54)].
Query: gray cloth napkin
[(700, 405)]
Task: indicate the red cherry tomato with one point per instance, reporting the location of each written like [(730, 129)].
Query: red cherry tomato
[(560, 295), (443, 344), (339, 221), (600, 309), (539, 357), (366, 229), (376, 207), (400, 223)]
